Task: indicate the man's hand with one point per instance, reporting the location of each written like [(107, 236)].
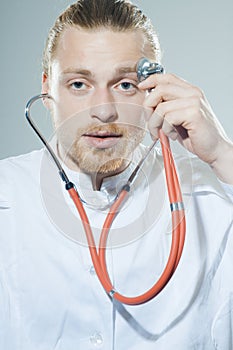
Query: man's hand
[(183, 113)]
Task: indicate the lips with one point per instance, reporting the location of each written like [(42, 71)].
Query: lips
[(102, 138)]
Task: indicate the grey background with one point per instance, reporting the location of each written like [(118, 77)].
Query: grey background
[(196, 39)]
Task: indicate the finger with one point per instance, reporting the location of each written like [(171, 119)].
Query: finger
[(156, 79), (171, 124), (165, 107), (169, 130), (174, 117), (168, 92), (157, 123), (186, 118)]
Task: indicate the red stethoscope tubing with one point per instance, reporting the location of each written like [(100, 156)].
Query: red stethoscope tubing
[(178, 233)]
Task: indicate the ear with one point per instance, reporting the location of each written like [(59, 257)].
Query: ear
[(45, 89)]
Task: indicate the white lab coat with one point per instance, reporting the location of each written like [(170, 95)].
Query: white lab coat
[(50, 296)]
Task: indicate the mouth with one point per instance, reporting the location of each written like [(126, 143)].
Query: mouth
[(102, 139)]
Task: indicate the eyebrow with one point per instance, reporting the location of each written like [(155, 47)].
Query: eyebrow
[(88, 73), (126, 69), (72, 70)]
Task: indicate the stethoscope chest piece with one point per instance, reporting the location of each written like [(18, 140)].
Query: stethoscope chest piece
[(145, 68)]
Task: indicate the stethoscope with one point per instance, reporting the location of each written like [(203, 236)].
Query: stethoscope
[(98, 255)]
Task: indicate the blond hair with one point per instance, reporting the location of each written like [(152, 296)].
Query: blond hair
[(117, 15)]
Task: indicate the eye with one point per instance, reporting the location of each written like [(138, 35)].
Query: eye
[(127, 86), (78, 85)]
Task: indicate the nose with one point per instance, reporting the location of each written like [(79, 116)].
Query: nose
[(103, 107)]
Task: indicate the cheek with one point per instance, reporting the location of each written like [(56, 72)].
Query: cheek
[(70, 128), (132, 115), (64, 104), (69, 115)]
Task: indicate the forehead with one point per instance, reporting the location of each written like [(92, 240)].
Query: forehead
[(91, 48)]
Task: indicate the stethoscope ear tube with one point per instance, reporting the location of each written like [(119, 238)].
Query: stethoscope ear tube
[(99, 256), (61, 171), (178, 233)]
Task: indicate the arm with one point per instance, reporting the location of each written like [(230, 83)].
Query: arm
[(183, 113)]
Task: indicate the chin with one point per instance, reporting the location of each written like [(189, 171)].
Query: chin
[(104, 161), (100, 164)]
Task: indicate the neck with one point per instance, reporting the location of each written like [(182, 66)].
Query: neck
[(97, 178)]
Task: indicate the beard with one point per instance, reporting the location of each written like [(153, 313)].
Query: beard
[(102, 160)]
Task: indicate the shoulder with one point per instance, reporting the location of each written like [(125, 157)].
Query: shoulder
[(22, 164), (26, 157), (18, 171)]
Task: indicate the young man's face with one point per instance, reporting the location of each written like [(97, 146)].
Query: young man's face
[(96, 108)]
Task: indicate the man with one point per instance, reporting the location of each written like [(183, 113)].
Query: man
[(50, 296)]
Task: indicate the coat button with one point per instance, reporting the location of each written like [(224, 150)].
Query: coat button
[(96, 339), (92, 271)]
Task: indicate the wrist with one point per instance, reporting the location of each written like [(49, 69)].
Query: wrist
[(223, 164)]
